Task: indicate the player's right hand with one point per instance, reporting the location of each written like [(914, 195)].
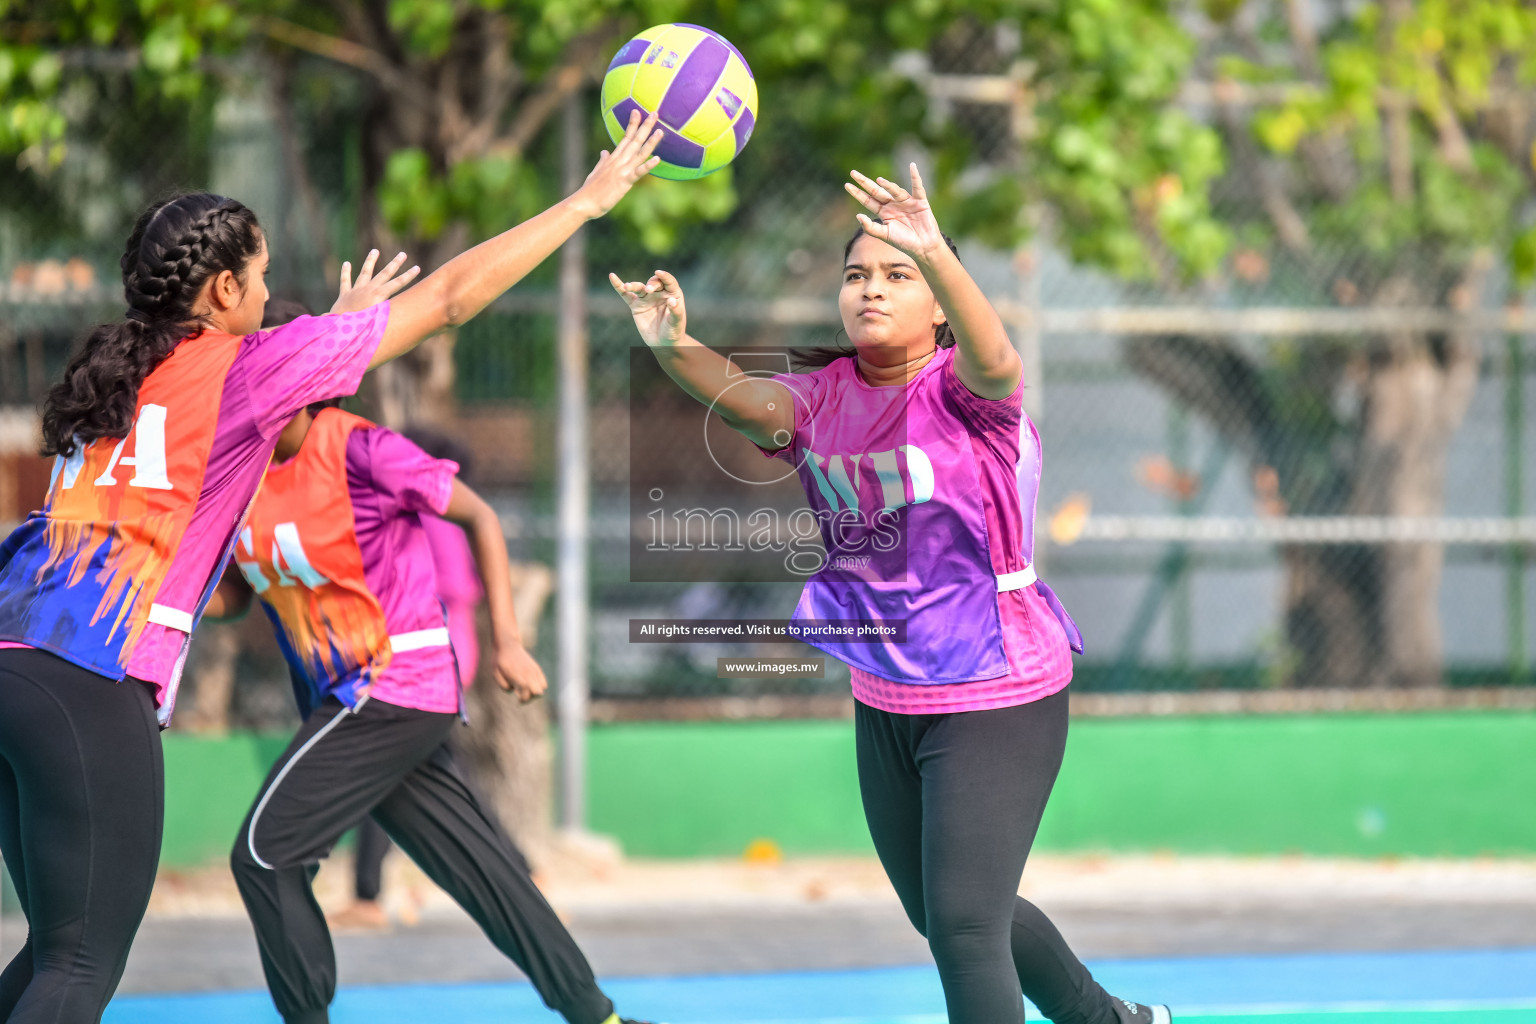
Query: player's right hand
[(657, 306), (617, 172), (518, 674)]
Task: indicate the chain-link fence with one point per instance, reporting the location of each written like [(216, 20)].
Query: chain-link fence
[(1302, 473), (1198, 548), (1222, 505)]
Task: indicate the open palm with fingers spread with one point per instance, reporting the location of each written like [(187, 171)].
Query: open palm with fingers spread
[(656, 305), (905, 218), (371, 287), (618, 171)]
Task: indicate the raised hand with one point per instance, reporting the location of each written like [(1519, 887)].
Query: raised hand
[(657, 306), (905, 218), (617, 172), (371, 288)]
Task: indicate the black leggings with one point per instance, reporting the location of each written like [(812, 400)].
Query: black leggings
[(953, 802), (82, 798)]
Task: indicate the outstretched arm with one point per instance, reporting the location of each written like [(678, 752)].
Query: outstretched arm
[(470, 281), (762, 410), (985, 360), (515, 668)]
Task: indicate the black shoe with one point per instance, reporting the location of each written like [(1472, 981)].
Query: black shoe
[(1135, 1013)]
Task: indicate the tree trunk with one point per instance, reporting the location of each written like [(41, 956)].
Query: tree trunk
[(1369, 616), (508, 744), (418, 387), (213, 681), (1355, 615), (1329, 617)]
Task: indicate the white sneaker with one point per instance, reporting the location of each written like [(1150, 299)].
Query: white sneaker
[(1137, 1013)]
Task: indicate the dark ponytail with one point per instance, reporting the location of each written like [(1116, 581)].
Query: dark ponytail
[(176, 245), (821, 355)]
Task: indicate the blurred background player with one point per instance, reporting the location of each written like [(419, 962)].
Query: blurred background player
[(460, 589), (336, 551)]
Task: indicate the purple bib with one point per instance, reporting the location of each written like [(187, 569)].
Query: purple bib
[(890, 474)]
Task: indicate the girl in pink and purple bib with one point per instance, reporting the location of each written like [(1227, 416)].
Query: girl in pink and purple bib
[(923, 470)]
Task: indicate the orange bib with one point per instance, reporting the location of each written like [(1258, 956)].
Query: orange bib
[(299, 552), (81, 577)]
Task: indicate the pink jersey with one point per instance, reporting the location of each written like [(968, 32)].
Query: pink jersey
[(959, 455), (278, 372), (273, 374), (395, 488)]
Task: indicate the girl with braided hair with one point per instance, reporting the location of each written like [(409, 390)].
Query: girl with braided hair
[(163, 425)]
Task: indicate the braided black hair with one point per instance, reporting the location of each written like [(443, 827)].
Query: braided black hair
[(822, 355), (176, 246)]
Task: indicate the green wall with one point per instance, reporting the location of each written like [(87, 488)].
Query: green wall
[(1451, 784), (209, 785)]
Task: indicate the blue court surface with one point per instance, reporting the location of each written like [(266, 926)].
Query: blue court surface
[(1485, 987)]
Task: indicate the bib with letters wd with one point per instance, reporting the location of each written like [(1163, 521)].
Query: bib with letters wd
[(299, 551), (892, 476), (80, 578)]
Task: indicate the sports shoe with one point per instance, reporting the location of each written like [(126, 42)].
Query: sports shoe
[(1136, 1013)]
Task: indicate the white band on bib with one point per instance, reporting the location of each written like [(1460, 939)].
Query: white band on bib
[(1017, 580), (173, 618), (416, 640)]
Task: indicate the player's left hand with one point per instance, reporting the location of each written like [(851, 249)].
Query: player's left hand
[(518, 673), (371, 288), (905, 218)]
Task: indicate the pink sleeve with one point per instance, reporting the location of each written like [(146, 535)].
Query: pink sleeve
[(407, 478), (309, 360), (997, 419), (802, 388)]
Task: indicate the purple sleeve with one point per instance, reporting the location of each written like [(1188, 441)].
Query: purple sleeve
[(997, 419), (802, 389), (406, 478), (308, 360)]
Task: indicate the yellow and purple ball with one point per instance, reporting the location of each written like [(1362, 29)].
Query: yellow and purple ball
[(700, 84)]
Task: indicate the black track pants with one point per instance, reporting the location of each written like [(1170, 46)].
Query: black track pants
[(394, 763), (953, 802), (368, 863), (82, 799)]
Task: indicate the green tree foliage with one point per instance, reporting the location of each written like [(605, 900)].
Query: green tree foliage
[(462, 91), (1126, 171), (1380, 156), (1407, 132)]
